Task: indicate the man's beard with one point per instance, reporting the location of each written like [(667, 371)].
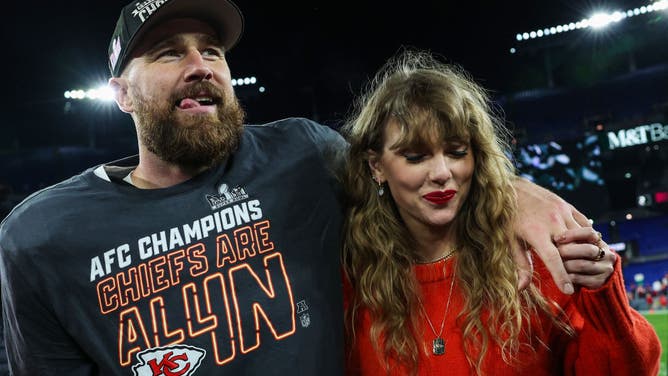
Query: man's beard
[(191, 141)]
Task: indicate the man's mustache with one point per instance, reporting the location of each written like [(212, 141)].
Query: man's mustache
[(198, 89)]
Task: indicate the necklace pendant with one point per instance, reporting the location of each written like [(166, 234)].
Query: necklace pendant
[(438, 346)]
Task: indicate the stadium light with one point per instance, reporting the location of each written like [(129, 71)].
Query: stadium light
[(661, 5), (597, 21), (247, 81), (252, 80), (101, 93), (601, 20)]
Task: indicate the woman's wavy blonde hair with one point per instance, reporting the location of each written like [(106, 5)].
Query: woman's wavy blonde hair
[(427, 98)]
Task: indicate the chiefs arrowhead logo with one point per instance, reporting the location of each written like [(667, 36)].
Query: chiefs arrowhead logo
[(178, 360)]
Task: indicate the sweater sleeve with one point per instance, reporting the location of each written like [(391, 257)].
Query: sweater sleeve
[(611, 338)]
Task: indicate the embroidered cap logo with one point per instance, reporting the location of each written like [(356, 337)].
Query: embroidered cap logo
[(145, 9), (116, 51)]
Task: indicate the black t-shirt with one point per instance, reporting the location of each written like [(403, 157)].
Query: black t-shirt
[(235, 271)]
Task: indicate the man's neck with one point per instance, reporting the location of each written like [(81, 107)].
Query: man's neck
[(153, 173)]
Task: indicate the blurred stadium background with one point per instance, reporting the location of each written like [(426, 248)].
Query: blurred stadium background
[(583, 85)]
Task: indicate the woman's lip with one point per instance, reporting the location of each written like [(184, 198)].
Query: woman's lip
[(440, 197)]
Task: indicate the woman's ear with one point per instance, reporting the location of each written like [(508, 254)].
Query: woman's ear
[(120, 87), (376, 166)]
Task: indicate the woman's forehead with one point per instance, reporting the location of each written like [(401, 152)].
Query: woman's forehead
[(431, 132)]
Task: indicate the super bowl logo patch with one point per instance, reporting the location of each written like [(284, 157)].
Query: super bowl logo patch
[(226, 196), (177, 360)]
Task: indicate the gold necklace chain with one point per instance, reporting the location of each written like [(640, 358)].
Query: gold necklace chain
[(444, 257), (438, 345)]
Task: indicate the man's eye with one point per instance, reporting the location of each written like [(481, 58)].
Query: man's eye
[(212, 52), (168, 53)]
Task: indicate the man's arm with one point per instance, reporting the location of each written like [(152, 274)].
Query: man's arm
[(542, 217)]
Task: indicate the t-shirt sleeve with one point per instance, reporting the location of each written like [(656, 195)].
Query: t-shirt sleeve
[(330, 144), (324, 143), (35, 341)]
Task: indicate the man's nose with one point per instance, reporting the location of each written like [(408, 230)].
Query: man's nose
[(197, 68)]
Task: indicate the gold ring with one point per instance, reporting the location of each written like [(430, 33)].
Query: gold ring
[(600, 255), (600, 237)]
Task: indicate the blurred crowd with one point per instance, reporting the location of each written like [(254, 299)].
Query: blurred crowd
[(649, 297)]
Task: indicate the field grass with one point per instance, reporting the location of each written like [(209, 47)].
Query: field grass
[(659, 320)]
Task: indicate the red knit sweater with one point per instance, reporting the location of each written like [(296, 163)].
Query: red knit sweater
[(612, 338)]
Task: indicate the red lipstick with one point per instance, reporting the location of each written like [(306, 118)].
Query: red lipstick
[(440, 198)]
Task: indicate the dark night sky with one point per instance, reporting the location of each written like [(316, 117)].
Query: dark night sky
[(312, 56)]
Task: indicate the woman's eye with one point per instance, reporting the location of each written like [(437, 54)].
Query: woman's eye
[(459, 153), (414, 157)]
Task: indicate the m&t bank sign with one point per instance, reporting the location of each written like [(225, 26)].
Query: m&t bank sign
[(640, 135)]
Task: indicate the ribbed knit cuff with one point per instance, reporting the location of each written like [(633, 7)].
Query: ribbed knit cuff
[(607, 308)]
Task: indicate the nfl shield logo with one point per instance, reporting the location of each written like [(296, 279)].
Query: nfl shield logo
[(305, 320)]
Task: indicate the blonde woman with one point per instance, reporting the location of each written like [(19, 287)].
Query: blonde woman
[(428, 248)]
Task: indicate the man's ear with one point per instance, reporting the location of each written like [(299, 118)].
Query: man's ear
[(376, 166), (120, 87)]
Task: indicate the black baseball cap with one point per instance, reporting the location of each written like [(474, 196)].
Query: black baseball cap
[(140, 16)]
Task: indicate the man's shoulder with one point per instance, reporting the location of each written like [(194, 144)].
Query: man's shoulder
[(286, 124), (298, 131), (293, 126), (49, 201)]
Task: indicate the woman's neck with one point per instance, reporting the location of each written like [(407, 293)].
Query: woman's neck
[(432, 246)]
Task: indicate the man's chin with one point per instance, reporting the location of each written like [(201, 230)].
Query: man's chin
[(196, 119), (200, 144), (191, 138)]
